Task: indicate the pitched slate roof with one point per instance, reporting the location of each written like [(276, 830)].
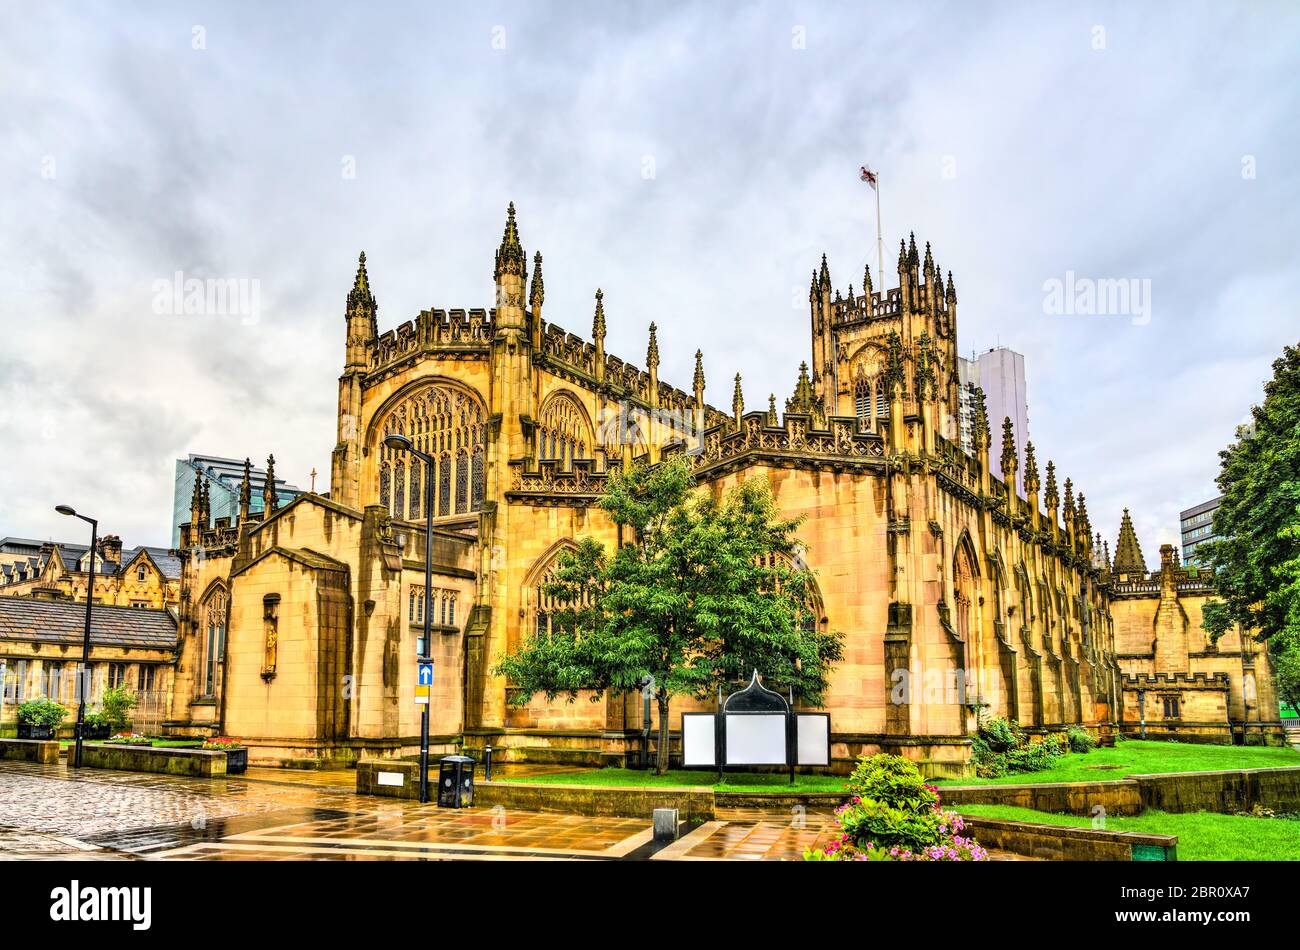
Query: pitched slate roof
[(169, 564), (49, 621)]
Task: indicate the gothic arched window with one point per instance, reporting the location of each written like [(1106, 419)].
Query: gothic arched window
[(963, 594), (212, 629), (439, 420), (563, 431)]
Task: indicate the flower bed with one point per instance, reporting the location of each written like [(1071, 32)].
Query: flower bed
[(130, 738), (236, 754), (895, 816)]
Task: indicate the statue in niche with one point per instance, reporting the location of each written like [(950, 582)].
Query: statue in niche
[(270, 621)]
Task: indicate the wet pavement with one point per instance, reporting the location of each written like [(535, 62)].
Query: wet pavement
[(51, 812)]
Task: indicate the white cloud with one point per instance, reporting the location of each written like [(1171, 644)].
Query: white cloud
[(226, 162)]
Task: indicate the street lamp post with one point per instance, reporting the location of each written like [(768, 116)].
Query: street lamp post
[(399, 442), (84, 685)]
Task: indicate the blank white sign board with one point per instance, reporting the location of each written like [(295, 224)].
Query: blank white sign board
[(698, 740), (757, 739), (814, 740)]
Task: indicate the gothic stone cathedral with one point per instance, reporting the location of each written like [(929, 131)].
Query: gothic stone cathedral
[(957, 598)]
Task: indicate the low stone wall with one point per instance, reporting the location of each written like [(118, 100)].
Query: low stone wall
[(692, 804), (1225, 792), (45, 751), (401, 779), (143, 758), (1056, 843), (1122, 797), (779, 801)]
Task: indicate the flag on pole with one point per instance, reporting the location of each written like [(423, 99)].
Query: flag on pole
[(869, 177)]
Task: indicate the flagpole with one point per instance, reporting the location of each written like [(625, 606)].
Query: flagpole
[(880, 247)]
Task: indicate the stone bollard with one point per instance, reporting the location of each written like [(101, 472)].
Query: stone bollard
[(665, 824)]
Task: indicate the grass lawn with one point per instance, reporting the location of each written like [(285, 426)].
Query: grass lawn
[(679, 778), (1126, 758), (1136, 757), (1202, 836)]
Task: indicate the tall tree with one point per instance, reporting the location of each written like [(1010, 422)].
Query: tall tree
[(701, 592), (1256, 560), (1286, 643)]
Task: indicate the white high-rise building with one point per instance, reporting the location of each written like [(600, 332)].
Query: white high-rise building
[(1000, 372)]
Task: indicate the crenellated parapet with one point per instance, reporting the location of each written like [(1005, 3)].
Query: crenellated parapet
[(1176, 679), (433, 330)]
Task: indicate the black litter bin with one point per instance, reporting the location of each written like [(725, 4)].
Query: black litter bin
[(456, 782)]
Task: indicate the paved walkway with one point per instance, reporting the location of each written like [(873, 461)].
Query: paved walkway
[(53, 812)]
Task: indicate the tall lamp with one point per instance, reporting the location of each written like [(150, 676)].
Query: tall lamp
[(400, 443), (84, 685)]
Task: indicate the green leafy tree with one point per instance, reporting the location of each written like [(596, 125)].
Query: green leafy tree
[(700, 592), (1286, 644), (1256, 560)]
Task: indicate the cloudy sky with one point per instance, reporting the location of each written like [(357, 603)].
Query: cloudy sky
[(693, 160)]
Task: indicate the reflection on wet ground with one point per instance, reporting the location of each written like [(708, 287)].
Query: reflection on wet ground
[(51, 812)]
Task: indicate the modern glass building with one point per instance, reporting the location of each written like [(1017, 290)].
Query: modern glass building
[(1000, 372), (224, 476), (1197, 526)]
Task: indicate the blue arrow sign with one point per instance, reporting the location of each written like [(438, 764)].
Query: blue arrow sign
[(426, 673)]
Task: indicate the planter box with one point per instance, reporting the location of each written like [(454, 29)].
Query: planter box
[(146, 758), (236, 761), (28, 731), (96, 733)]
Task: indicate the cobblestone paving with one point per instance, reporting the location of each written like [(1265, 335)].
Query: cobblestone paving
[(53, 812), (54, 799)]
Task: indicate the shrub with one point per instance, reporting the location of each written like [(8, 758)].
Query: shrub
[(1001, 734), (1080, 740), (994, 757), (895, 816), (45, 713), (116, 704)]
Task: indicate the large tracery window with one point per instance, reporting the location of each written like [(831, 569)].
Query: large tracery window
[(447, 424), (563, 432)]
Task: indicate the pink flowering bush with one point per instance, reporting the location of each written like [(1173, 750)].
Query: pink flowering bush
[(895, 816)]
